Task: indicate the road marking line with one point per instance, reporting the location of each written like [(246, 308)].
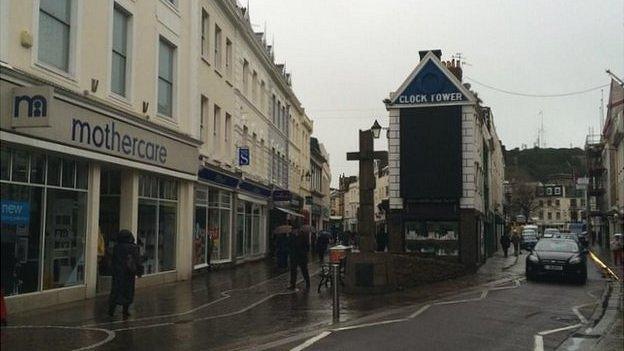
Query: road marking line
[(421, 310), (310, 341), (358, 326), (552, 331), (538, 343), (110, 334), (224, 296), (144, 326), (578, 313)]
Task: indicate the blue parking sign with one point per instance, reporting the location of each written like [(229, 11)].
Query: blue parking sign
[(243, 156)]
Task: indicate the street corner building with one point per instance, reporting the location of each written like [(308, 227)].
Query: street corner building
[(446, 167), (167, 118)]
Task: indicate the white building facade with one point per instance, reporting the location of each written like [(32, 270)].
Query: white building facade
[(166, 118)]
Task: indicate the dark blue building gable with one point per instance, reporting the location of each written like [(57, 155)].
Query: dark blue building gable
[(430, 86)]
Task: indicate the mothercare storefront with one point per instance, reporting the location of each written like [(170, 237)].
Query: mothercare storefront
[(73, 173)]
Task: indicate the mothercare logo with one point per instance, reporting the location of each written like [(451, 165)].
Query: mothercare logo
[(31, 106), (107, 137)]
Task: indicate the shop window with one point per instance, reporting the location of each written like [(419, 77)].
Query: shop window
[(5, 164), (38, 168), (250, 220), (43, 228), (19, 166), (157, 222), (21, 238), (54, 171), (436, 238), (65, 238)]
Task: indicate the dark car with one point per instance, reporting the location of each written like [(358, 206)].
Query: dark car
[(529, 239), (557, 258)]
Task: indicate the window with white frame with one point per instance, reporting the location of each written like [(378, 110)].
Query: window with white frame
[(217, 43), (205, 28), (54, 33), (165, 78), (119, 59)]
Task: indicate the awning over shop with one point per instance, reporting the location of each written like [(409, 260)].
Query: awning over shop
[(290, 212)]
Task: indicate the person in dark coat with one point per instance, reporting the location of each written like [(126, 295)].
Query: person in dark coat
[(299, 248), (382, 240), (505, 241), (126, 266), (322, 242), (281, 242)]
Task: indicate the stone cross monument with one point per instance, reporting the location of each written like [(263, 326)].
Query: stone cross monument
[(366, 214)]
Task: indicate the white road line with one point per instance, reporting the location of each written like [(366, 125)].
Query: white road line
[(578, 313), (224, 296), (420, 310), (373, 324), (552, 331), (539, 337), (538, 343), (310, 341), (144, 326), (110, 334)]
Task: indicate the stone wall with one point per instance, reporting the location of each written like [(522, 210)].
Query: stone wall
[(385, 272)]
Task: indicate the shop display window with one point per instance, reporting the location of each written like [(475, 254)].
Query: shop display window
[(157, 222), (64, 256), (211, 236), (250, 228), (439, 238), (43, 225)]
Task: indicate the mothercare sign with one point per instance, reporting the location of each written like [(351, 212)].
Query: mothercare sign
[(87, 128)]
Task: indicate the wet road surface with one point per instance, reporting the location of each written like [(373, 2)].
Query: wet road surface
[(249, 308), (507, 316)]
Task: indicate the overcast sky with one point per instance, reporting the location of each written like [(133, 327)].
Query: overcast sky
[(346, 56)]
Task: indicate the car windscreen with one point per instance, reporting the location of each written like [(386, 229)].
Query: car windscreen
[(557, 245), (529, 235)]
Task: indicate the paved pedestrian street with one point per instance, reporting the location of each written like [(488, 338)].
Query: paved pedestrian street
[(249, 307)]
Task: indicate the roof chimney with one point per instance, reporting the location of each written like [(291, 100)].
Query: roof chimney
[(455, 68)]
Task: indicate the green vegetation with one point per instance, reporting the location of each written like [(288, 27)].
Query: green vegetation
[(541, 164)]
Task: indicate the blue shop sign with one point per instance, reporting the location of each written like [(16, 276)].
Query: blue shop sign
[(243, 156), (15, 212), (218, 178), (252, 188), (430, 86)]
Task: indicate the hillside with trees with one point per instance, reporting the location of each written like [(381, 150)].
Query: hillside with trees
[(540, 164)]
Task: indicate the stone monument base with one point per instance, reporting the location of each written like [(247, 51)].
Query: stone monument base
[(383, 272)]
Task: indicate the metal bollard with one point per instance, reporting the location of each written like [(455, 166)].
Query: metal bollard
[(336, 297)]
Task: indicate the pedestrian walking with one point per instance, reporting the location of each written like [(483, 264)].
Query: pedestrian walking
[(322, 242), (382, 240), (505, 242), (126, 266), (281, 234), (515, 239), (617, 249), (299, 248)]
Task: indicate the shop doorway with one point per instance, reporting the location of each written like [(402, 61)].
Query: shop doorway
[(110, 191)]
